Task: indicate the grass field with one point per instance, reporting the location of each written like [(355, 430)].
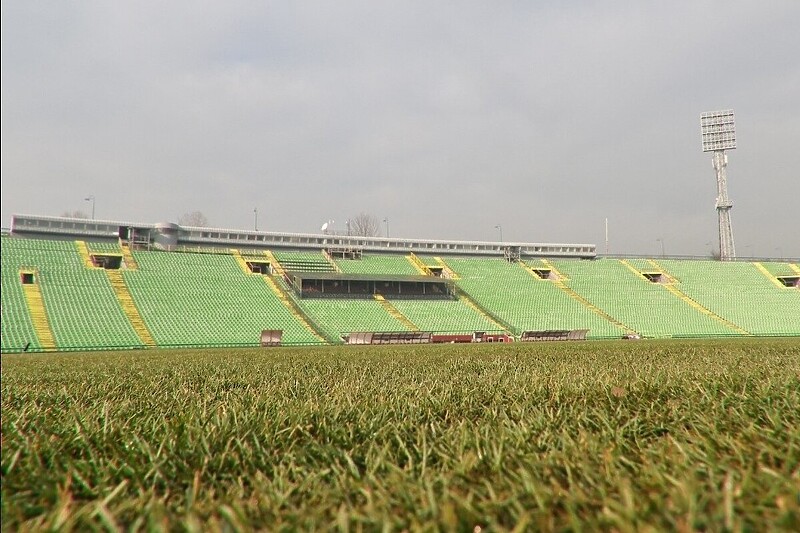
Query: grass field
[(677, 435)]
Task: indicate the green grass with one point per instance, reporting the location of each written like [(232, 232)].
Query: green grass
[(562, 436)]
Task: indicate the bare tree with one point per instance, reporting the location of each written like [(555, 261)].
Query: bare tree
[(365, 225), (74, 214), (195, 218)]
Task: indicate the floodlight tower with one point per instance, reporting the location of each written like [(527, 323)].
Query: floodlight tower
[(718, 133)]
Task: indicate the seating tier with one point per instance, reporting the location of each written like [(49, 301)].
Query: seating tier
[(443, 316), (206, 299), (17, 326), (739, 292), (80, 303), (524, 302), (378, 264), (304, 262), (338, 316), (646, 307)]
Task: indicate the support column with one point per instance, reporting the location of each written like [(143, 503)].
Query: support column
[(727, 250)]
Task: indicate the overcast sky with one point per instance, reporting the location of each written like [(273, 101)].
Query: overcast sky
[(447, 118)]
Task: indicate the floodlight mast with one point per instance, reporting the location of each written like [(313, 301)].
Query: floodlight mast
[(718, 132)]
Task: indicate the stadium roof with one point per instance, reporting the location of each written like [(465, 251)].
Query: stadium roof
[(170, 236), (336, 276)]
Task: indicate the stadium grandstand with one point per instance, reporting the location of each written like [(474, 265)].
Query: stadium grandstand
[(76, 284)]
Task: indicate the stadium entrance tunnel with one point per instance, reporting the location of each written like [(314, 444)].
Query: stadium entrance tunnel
[(27, 278), (107, 261), (544, 273), (790, 281), (435, 270), (336, 285), (271, 337), (259, 267), (656, 277)]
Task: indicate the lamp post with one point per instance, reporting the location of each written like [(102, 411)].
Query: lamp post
[(499, 227), (91, 199), (255, 219), (662, 246), (386, 221)]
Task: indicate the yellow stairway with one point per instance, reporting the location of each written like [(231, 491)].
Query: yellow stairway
[(392, 310), (530, 271), (41, 324), (794, 267), (761, 268), (464, 297), (276, 265), (331, 261), (447, 272), (554, 274), (664, 275), (127, 257), (558, 275), (589, 305), (418, 264), (671, 287), (273, 284), (240, 261), (83, 251), (129, 307), (290, 304), (559, 282)]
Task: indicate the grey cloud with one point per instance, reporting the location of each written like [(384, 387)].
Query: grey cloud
[(448, 119)]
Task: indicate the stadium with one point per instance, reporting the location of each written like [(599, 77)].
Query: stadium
[(76, 284), (225, 380), (190, 343)]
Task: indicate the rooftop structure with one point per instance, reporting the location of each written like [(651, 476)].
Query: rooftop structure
[(169, 236)]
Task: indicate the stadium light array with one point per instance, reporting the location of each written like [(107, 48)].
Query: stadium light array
[(718, 130)]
